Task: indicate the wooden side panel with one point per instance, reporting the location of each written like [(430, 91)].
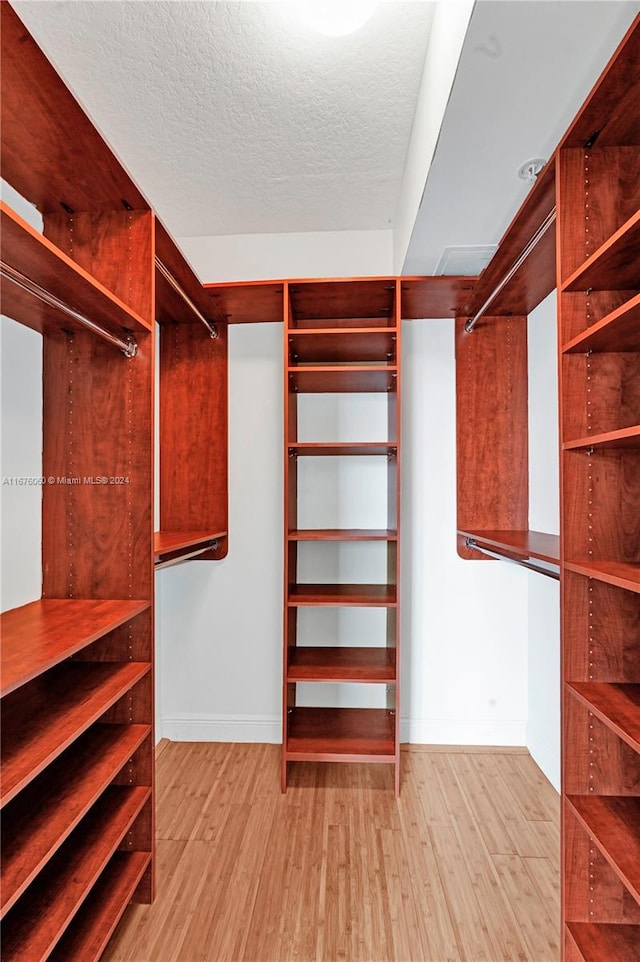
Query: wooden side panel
[(97, 458), (193, 429), (492, 426), (601, 630), (115, 247)]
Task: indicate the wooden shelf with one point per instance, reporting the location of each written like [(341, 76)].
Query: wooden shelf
[(624, 438), (619, 573), (343, 380), (340, 449), (88, 934), (43, 718), (249, 302), (520, 544), (367, 300), (31, 930), (39, 635), (36, 824), (42, 262), (605, 942), (343, 534), (446, 295), (614, 824), (341, 734), (342, 664), (614, 266), (173, 545), (616, 705), (362, 596), (618, 331), (337, 345)]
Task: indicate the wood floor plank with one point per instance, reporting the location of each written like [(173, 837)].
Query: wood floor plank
[(339, 870)]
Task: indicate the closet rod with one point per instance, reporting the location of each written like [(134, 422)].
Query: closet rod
[(524, 563), (129, 347), (168, 276), (539, 234)]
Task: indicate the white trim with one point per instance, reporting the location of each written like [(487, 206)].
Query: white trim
[(446, 731), (187, 727)]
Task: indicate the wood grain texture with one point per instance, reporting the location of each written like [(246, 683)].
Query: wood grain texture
[(193, 429), (341, 299), (43, 718), (343, 380), (615, 704), (614, 265), (492, 427), (442, 296), (37, 111), (36, 922), (248, 302), (614, 825), (37, 823), (342, 346), (618, 330), (361, 595), (525, 544), (611, 109), (356, 874), (341, 664), (342, 534), (595, 942), (170, 308), (340, 734), (601, 393), (56, 270), (43, 633)]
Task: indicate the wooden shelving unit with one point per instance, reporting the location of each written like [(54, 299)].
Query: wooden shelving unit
[(193, 413), (341, 337), (598, 190)]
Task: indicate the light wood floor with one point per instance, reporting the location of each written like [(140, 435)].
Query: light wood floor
[(462, 868)]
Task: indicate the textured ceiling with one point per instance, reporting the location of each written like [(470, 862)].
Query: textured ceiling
[(236, 118)]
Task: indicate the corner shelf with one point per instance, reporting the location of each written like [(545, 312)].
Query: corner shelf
[(55, 628), (599, 941)]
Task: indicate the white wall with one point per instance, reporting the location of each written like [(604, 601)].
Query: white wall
[(543, 698), (464, 667)]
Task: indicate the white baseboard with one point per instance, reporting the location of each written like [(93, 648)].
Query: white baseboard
[(446, 731), (186, 727)]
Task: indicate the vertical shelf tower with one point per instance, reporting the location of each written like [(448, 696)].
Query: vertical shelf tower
[(340, 338), (598, 196)]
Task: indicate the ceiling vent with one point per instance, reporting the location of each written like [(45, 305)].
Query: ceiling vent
[(465, 260)]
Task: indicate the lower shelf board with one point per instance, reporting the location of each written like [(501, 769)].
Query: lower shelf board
[(614, 824), (362, 596), (91, 929), (36, 824), (602, 942), (617, 705), (43, 718), (622, 574), (33, 926), (340, 734), (342, 664)]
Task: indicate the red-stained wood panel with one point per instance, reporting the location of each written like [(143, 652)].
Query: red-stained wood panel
[(344, 734), (41, 719), (492, 427), (442, 296), (359, 595), (343, 380), (610, 112), (342, 346), (248, 302), (341, 664), (624, 438), (329, 299), (343, 534), (614, 824), (596, 942), (617, 573), (193, 430), (338, 449), (41, 261), (614, 265), (35, 925), (36, 107), (170, 307), (43, 633), (36, 823), (86, 938), (616, 705), (618, 330), (525, 544)]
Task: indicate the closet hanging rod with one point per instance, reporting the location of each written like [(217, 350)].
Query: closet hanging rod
[(178, 559), (524, 562), (533, 242), (129, 347), (168, 276)]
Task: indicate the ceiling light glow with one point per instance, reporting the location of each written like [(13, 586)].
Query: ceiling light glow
[(336, 18)]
